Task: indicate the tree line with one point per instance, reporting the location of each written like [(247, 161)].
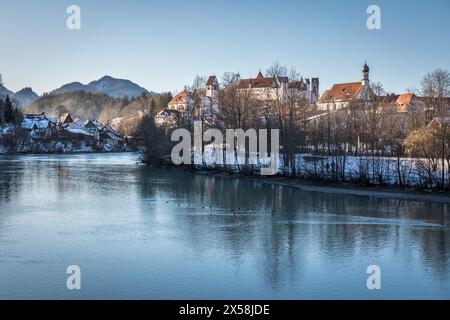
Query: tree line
[(9, 114), (364, 143)]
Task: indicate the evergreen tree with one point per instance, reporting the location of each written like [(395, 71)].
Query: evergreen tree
[(153, 108), (17, 116), (8, 110), (2, 114)]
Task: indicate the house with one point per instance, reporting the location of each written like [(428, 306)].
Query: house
[(76, 124), (39, 126), (277, 88), (198, 104), (111, 137), (409, 102), (76, 130), (167, 118), (93, 127), (181, 102), (65, 120), (439, 122), (343, 95)]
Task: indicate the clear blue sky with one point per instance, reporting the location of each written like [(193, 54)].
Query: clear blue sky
[(162, 45)]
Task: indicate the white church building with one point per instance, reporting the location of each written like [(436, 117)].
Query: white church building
[(342, 95)]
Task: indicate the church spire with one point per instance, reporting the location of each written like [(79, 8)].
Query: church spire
[(365, 74)]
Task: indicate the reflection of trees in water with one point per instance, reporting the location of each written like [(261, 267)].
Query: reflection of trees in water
[(435, 247), (11, 180), (282, 224)]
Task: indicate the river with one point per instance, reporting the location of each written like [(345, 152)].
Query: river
[(143, 233)]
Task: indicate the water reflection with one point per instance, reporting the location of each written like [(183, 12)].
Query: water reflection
[(253, 239)]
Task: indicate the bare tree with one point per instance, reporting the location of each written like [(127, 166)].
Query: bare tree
[(277, 70), (199, 83), (436, 90)]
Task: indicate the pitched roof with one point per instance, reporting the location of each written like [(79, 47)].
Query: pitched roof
[(38, 121), (404, 99), (342, 91), (167, 113), (65, 118), (261, 82), (211, 80), (297, 85), (180, 98), (439, 121)]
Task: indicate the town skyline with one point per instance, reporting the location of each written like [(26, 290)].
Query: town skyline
[(325, 40)]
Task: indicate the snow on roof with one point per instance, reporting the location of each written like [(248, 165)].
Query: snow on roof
[(167, 113), (112, 136), (77, 124), (31, 121), (79, 131)]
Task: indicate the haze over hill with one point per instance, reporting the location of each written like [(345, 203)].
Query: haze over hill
[(25, 97), (5, 92), (22, 98), (115, 88)]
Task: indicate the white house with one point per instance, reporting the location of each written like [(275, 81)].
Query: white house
[(39, 126)]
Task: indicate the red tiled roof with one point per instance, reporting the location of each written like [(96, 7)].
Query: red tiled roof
[(404, 99), (180, 98), (297, 85), (260, 82), (342, 91)]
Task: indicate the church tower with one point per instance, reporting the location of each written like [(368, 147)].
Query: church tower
[(314, 90), (365, 75), (212, 89)]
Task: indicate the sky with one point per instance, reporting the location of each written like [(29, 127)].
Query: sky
[(162, 45)]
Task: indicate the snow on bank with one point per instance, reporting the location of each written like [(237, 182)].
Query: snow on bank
[(379, 171)]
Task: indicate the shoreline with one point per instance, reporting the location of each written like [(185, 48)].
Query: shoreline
[(383, 192), (63, 153)]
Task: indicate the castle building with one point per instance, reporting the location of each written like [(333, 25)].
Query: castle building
[(342, 95), (277, 88)]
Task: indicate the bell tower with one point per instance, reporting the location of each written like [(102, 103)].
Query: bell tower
[(212, 88), (365, 75)]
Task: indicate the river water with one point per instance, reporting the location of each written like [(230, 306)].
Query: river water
[(142, 233)]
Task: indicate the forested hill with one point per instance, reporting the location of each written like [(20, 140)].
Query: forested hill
[(86, 105)]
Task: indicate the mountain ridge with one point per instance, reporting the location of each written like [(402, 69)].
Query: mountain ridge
[(113, 87)]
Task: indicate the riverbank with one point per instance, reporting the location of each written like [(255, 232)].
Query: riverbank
[(64, 153), (385, 192)]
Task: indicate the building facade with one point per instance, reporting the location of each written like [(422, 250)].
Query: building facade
[(342, 95)]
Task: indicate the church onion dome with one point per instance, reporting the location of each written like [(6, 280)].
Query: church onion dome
[(365, 67)]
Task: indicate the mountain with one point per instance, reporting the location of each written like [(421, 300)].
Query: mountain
[(115, 88), (70, 87), (25, 97), (5, 92)]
